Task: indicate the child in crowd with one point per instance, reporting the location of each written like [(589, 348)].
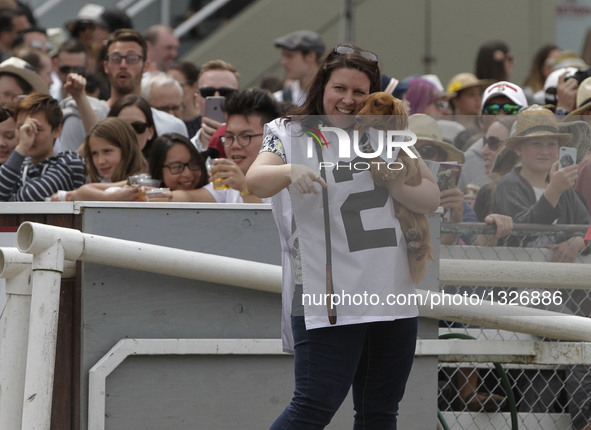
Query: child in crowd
[(538, 192), (177, 163), (112, 154), (33, 172)]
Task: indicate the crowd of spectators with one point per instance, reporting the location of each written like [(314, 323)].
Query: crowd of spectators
[(82, 113)]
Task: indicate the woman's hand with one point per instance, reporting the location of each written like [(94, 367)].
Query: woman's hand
[(303, 179), (452, 199)]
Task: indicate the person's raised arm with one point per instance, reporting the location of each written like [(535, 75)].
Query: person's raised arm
[(76, 85)]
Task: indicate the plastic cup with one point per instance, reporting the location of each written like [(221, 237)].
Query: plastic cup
[(157, 195), (145, 182)]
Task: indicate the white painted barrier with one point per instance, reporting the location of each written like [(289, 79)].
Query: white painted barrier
[(51, 245), (16, 269)]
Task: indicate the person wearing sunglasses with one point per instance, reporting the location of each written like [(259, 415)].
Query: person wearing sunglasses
[(71, 58), (247, 112), (498, 99), (216, 78), (300, 54), (494, 142), (424, 97), (136, 111), (327, 252)]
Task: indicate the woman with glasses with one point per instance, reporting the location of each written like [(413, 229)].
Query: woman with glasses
[(424, 97), (341, 239), (136, 111), (177, 163)]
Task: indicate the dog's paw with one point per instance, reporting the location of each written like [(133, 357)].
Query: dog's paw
[(411, 234)]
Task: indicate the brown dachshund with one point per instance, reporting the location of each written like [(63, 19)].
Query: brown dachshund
[(415, 227)]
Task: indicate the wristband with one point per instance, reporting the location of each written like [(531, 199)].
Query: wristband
[(62, 195)]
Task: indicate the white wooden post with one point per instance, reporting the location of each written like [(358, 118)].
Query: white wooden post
[(47, 268), (15, 268)]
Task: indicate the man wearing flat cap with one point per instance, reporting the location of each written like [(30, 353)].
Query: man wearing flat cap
[(300, 54)]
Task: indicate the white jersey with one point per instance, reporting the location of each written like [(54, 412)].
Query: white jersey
[(368, 250)]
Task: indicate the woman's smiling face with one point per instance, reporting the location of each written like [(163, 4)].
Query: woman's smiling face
[(343, 95)]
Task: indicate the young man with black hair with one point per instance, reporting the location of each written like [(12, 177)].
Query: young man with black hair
[(247, 114), (33, 172)]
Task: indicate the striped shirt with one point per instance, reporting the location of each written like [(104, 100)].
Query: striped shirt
[(23, 181)]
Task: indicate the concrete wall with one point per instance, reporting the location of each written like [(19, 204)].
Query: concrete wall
[(399, 31)]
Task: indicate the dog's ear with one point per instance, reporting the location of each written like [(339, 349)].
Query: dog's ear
[(401, 115)]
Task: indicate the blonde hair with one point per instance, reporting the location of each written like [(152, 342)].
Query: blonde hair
[(120, 134)]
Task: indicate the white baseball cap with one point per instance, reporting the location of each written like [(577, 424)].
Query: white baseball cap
[(507, 89)]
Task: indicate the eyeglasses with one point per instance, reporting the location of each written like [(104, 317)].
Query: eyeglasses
[(9, 95), (139, 127), (431, 152), (347, 50), (42, 46), (442, 104), (116, 58), (508, 108), (177, 167), (72, 69), (242, 139), (85, 25), (172, 108), (493, 142), (210, 91)]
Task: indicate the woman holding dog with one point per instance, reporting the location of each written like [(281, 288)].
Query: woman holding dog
[(338, 216)]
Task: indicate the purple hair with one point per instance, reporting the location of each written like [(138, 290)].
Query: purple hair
[(420, 94)]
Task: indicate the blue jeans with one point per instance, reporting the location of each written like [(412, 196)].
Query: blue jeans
[(375, 358)]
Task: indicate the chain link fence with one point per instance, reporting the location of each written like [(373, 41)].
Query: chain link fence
[(487, 396)]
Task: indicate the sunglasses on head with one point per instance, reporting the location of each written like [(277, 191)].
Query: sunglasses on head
[(493, 142), (431, 152), (139, 127), (508, 108), (347, 50), (210, 91)]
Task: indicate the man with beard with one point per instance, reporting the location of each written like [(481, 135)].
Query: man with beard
[(124, 65)]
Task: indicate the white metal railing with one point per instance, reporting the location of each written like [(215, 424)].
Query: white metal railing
[(50, 246)]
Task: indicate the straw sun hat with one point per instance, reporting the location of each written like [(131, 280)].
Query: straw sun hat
[(462, 81), (426, 129), (536, 121)]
